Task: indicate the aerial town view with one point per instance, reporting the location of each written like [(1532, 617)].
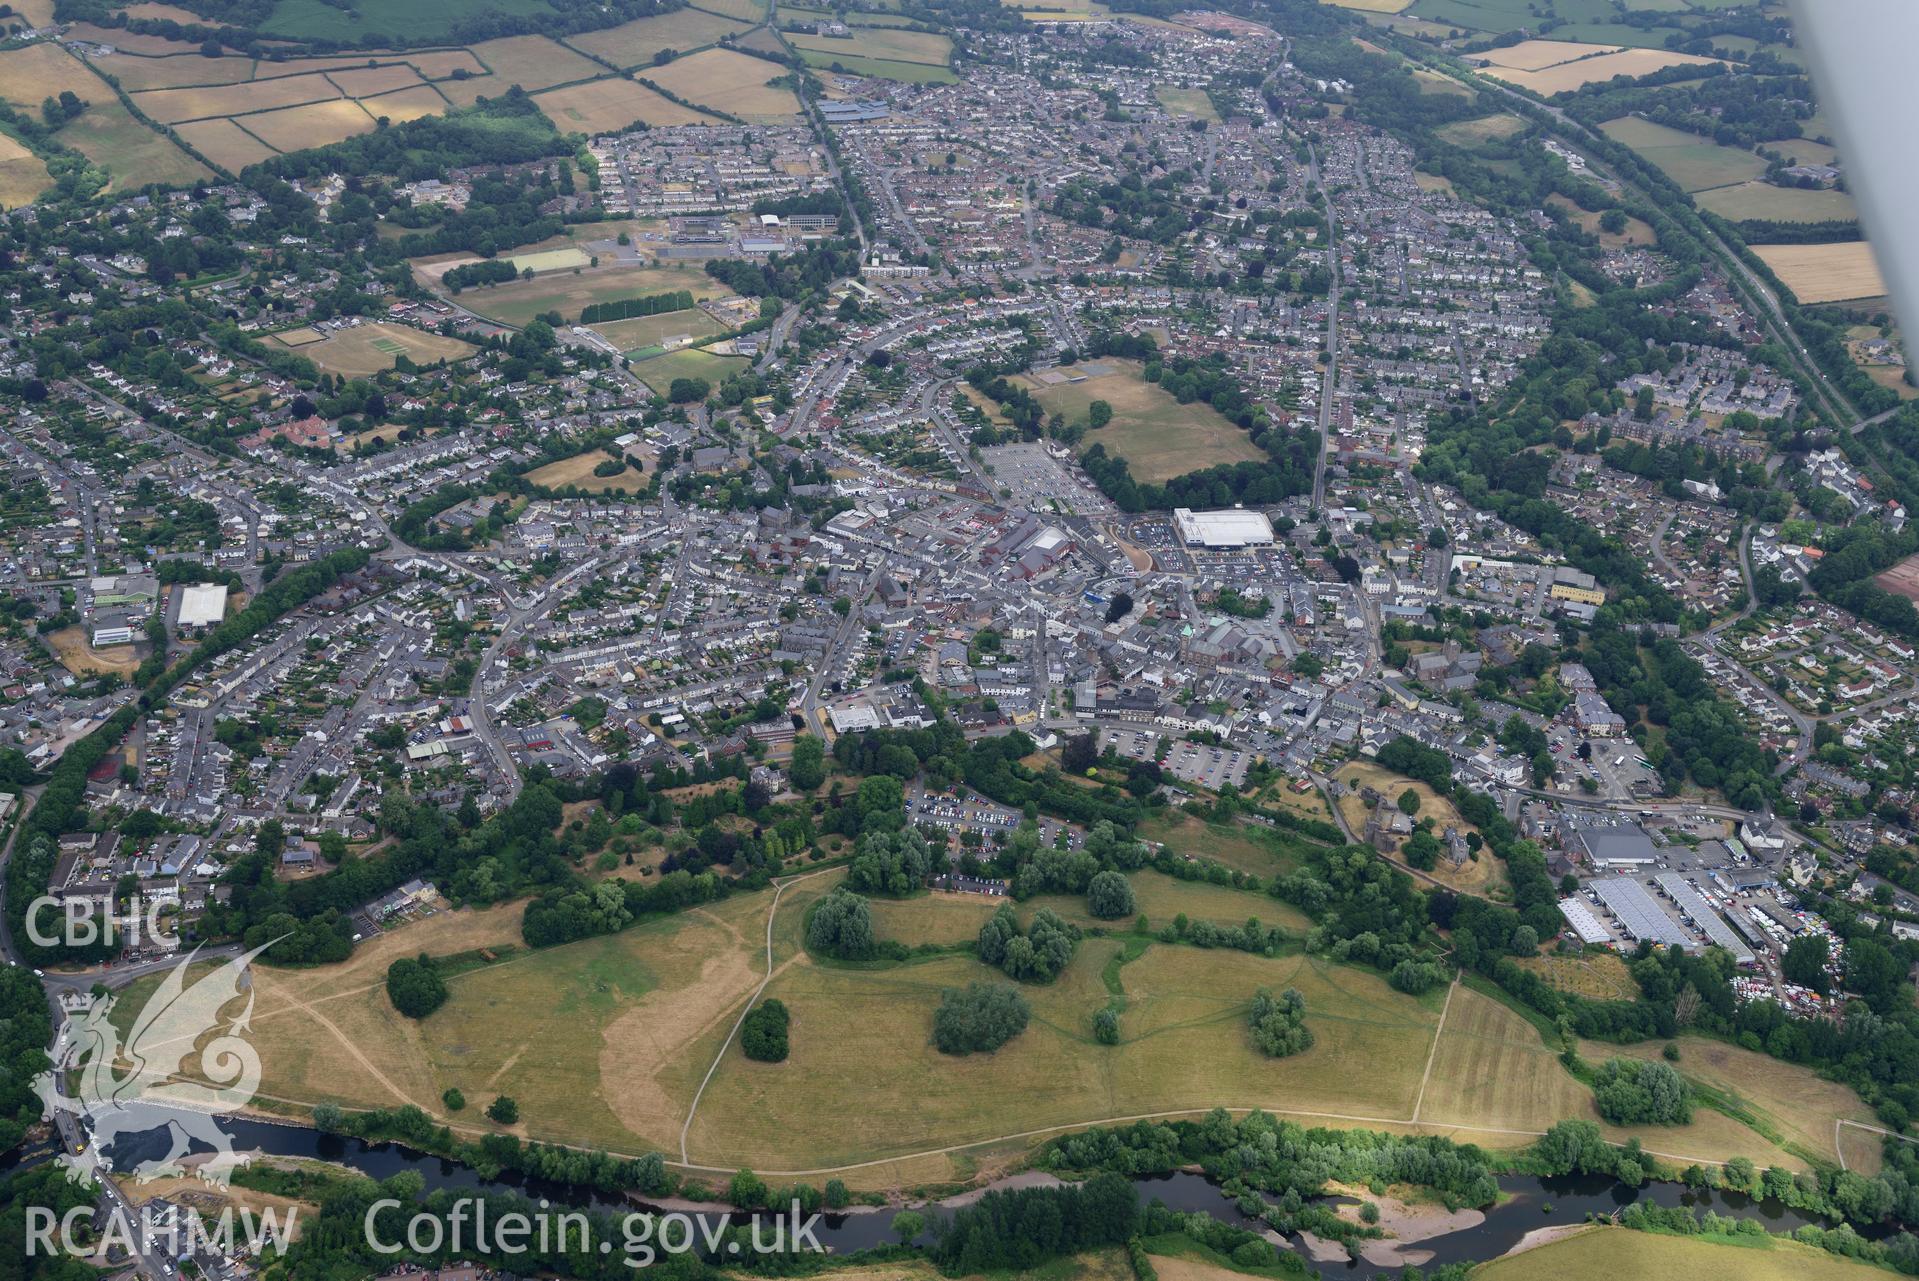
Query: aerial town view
[(879, 640)]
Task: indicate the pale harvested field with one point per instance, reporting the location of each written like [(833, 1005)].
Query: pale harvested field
[(1535, 55), (732, 82), (370, 348), (578, 470), (171, 106), (225, 143), (634, 43), (135, 74), (610, 105), (1373, 6), (1571, 75), (532, 62), (314, 125), (1826, 273), (364, 82), (438, 64), (23, 175), (39, 71), (406, 104), (161, 13)]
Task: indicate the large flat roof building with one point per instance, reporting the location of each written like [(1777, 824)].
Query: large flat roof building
[(202, 604), (1234, 527)]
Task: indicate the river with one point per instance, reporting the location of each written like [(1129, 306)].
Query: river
[(1527, 1202)]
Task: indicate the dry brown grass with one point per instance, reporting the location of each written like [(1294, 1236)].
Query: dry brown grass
[(370, 348), (39, 71), (1571, 75), (171, 106), (313, 125), (406, 104), (578, 471), (225, 143), (1826, 273), (633, 44), (1787, 1099), (532, 62), (1485, 875), (1536, 55), (72, 647), (364, 82), (612, 104), (23, 175), (731, 82), (1601, 976), (154, 46), (136, 74)]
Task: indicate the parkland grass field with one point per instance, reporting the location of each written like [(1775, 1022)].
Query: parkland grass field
[(605, 1041), (1157, 436)]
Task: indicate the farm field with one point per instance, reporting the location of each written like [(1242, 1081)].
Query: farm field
[(107, 134), (172, 106), (633, 44), (1826, 273), (370, 348), (650, 331), (316, 20), (882, 43), (1373, 6), (732, 82), (225, 143), (1188, 104), (1536, 55), (1606, 1253), (1582, 68), (36, 71), (531, 62), (23, 175), (658, 372), (612, 104), (924, 73), (1157, 436), (1783, 204), (1693, 162), (312, 125), (519, 301), (578, 470), (405, 104)]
